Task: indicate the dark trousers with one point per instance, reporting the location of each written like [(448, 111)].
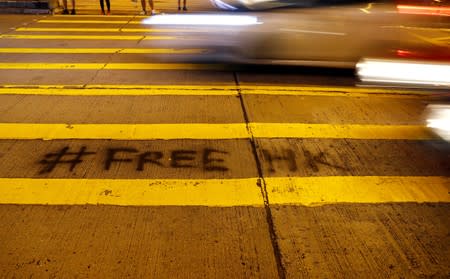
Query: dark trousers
[(103, 7)]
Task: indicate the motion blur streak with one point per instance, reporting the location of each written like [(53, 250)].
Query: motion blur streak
[(424, 10), (439, 120), (222, 5), (230, 20), (405, 72)]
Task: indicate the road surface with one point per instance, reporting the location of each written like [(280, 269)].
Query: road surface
[(115, 164)]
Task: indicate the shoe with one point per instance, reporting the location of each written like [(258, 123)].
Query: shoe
[(73, 12), (184, 9), (102, 12), (65, 12), (179, 8), (153, 12), (108, 12), (143, 13)]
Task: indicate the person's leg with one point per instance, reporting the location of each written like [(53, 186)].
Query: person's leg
[(102, 6), (184, 5), (179, 8), (108, 6), (65, 11), (143, 6), (150, 2), (73, 7)]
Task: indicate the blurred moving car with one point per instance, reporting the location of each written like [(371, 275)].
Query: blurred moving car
[(326, 35), (235, 5), (259, 5), (418, 7), (336, 36)]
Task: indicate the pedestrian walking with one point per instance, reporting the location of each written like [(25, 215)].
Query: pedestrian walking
[(184, 5), (103, 7), (66, 11), (152, 8)]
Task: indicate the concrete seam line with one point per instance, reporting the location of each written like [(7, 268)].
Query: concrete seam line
[(262, 185)]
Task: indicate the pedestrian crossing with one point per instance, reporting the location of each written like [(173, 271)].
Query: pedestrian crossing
[(128, 7), (258, 190)]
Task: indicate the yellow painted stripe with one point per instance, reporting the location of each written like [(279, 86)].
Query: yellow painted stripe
[(85, 37), (176, 91), (90, 21), (110, 66), (326, 91), (99, 16), (313, 191), (122, 131), (123, 86), (128, 30), (338, 131), (103, 50), (139, 89), (137, 192), (211, 131), (307, 191)]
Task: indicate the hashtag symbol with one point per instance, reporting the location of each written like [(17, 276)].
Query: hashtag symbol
[(53, 159)]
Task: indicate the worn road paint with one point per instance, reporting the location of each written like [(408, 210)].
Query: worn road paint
[(138, 89), (108, 66), (99, 16), (87, 37), (119, 92), (89, 21), (340, 131), (307, 191), (138, 192), (102, 50), (211, 131), (312, 191), (122, 86), (118, 30), (326, 91), (123, 131)]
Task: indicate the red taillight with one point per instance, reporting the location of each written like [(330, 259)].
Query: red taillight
[(431, 54), (405, 53)]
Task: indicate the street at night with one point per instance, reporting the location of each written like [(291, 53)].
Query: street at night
[(135, 148)]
